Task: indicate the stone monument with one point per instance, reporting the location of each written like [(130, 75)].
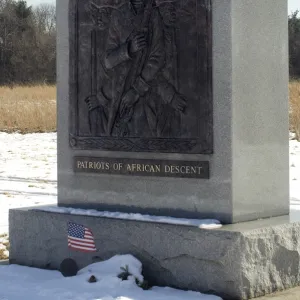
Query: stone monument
[(174, 108), (195, 96)]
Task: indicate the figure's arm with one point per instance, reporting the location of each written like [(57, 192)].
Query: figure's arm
[(156, 59), (117, 56), (116, 52), (169, 95), (165, 89)]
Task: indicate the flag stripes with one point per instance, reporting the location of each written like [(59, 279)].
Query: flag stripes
[(80, 238)]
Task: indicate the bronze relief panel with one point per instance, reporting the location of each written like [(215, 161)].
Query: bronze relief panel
[(140, 75)]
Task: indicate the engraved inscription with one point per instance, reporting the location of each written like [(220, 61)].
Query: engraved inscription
[(142, 75), (142, 167)]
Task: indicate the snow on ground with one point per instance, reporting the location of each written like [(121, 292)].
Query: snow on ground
[(294, 176), (27, 172), (28, 283)]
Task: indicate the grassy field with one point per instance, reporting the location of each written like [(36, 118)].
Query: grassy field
[(28, 109), (33, 109), (4, 247)]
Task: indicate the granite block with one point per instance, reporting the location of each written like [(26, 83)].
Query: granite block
[(239, 261)]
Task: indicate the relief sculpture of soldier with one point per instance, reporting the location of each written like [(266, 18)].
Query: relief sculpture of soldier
[(167, 86), (101, 85), (141, 98)]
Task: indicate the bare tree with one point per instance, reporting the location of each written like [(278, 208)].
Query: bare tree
[(45, 18), (27, 42)]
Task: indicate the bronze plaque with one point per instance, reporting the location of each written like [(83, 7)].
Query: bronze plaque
[(140, 75), (142, 167)]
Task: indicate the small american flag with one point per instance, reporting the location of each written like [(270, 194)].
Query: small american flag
[(80, 238)]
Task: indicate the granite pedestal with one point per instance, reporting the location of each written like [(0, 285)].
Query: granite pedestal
[(249, 165), (240, 261)]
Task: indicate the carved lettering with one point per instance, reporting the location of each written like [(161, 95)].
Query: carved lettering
[(142, 167), (80, 164), (137, 167)]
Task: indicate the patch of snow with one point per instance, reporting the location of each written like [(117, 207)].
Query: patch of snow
[(201, 223), (27, 172), (35, 284), (292, 135), (112, 267), (294, 176)]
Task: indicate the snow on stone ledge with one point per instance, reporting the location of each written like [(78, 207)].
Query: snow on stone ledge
[(200, 223)]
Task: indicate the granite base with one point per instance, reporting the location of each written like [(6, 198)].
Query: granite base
[(239, 261)]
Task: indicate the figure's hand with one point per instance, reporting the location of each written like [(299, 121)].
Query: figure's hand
[(179, 103), (95, 101), (92, 102), (128, 101), (137, 43)]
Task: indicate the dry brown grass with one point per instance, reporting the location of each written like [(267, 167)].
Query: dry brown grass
[(4, 246), (33, 108), (294, 88), (28, 109)]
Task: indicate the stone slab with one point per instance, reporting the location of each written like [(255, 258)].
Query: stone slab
[(240, 261), (249, 166)]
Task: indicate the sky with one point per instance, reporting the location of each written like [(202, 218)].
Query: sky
[(35, 2), (293, 4)]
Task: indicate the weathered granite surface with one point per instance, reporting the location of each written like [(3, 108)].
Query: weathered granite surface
[(239, 261)]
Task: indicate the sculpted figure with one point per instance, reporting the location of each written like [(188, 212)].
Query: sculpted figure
[(138, 95), (173, 104), (135, 54), (100, 15), (99, 100)]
